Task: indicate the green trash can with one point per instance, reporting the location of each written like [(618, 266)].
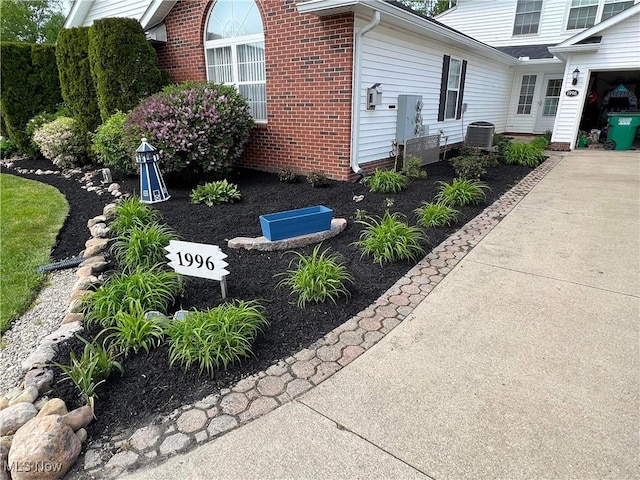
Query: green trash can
[(622, 129)]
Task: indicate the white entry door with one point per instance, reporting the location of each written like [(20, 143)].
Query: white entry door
[(548, 104)]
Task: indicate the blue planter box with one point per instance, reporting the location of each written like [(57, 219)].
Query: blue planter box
[(293, 223)]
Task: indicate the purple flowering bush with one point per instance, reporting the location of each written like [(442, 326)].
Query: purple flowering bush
[(63, 142), (197, 127)]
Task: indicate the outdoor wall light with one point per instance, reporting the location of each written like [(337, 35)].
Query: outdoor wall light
[(576, 72)]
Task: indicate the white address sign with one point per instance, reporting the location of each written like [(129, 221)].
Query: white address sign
[(197, 259)]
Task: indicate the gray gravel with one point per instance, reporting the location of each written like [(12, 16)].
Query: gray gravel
[(24, 336)]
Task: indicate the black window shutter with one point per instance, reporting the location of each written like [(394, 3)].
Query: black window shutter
[(443, 87), (463, 74)]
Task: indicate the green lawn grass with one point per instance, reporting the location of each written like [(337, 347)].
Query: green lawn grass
[(31, 214)]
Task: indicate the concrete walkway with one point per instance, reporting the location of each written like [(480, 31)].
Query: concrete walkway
[(521, 363)]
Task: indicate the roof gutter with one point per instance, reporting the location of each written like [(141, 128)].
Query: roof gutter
[(563, 52), (355, 95)]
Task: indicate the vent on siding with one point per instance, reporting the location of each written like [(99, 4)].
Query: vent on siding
[(479, 134)]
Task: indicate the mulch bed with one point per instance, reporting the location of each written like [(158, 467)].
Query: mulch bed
[(150, 388)]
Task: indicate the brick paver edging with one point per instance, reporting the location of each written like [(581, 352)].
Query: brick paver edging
[(258, 394)]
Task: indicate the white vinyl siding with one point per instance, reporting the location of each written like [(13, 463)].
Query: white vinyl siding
[(115, 8), (406, 64), (493, 22), (615, 52)]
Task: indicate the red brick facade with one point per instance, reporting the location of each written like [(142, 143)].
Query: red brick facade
[(309, 63)]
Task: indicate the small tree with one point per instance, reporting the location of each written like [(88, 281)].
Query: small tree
[(78, 91), (32, 21), (124, 66)]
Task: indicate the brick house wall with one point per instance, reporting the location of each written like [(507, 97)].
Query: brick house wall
[(309, 63)]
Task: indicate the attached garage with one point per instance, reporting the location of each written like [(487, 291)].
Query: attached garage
[(598, 61)]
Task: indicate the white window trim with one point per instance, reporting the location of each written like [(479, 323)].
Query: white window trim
[(525, 35), (457, 89), (598, 19), (233, 42)]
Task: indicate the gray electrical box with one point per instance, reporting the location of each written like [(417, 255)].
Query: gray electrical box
[(409, 122)]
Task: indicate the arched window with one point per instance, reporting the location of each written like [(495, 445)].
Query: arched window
[(234, 49)]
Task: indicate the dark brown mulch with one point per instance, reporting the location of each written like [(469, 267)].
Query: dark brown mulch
[(149, 387)]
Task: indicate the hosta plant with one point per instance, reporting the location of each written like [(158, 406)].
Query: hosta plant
[(215, 193), (130, 213), (143, 246), (316, 278), (148, 288), (214, 338), (196, 127), (436, 215), (461, 192), (92, 368), (522, 153), (387, 181), (390, 239), (63, 142), (132, 331)]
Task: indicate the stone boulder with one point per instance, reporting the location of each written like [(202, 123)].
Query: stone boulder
[(55, 406), (43, 449), (15, 416), (41, 378)]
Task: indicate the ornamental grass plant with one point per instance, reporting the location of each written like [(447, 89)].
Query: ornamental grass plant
[(316, 278), (215, 338), (92, 368), (386, 181), (146, 288), (389, 239), (143, 246), (132, 212), (133, 331), (521, 153), (436, 215), (461, 192)]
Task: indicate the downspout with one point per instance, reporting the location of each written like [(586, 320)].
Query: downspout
[(355, 96)]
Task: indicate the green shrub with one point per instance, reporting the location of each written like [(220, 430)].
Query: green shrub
[(215, 338), (317, 179), (63, 142), (132, 332), (143, 246), (386, 181), (436, 215), (501, 143), (197, 128), (78, 88), (461, 192), (41, 119), (29, 86), (287, 175), (468, 167), (149, 289), (7, 148), (112, 148), (91, 369), (540, 142), (316, 277), (124, 66), (412, 168), (521, 153), (132, 212), (389, 239), (215, 193)]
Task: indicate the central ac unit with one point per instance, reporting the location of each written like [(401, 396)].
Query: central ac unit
[(480, 134)]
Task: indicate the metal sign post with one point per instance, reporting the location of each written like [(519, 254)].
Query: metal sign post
[(199, 260)]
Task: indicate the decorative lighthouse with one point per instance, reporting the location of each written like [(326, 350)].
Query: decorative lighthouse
[(152, 187)]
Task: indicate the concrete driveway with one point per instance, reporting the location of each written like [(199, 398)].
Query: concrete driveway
[(522, 363)]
